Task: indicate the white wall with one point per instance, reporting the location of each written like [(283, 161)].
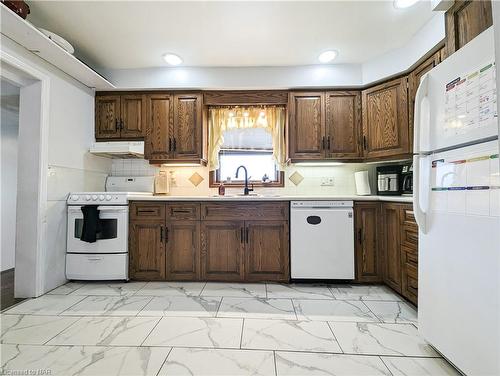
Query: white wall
[(314, 76), (9, 122), (70, 167)]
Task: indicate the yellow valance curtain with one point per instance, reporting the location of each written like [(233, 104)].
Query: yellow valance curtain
[(221, 119)]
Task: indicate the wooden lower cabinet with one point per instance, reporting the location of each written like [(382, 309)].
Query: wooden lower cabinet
[(367, 250), (147, 250), (222, 249), (183, 250), (392, 245), (266, 251)]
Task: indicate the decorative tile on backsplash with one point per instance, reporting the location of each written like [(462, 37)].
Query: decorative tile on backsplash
[(296, 178), (196, 179), (133, 167)]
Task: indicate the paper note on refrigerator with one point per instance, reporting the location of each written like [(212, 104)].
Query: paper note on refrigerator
[(471, 101)]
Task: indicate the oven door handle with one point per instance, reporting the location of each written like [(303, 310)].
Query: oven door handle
[(113, 208)]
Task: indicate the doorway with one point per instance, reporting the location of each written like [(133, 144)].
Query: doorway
[(9, 127)]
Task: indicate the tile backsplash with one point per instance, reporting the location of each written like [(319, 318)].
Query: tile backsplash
[(182, 182)]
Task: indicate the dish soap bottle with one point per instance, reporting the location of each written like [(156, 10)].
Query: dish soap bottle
[(222, 189)]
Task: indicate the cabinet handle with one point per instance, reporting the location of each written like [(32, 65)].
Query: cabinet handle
[(175, 144), (169, 144), (161, 234), (364, 143), (121, 124), (246, 235), (328, 143), (323, 142), (166, 234), (117, 124), (360, 237), (241, 235)]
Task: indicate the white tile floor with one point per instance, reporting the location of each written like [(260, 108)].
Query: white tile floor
[(174, 328)]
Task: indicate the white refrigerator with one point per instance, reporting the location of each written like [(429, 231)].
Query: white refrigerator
[(457, 208)]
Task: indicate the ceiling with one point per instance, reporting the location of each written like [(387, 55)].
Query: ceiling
[(135, 34)]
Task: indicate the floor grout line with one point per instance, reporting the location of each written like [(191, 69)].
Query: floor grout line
[(242, 328), (275, 366), (164, 361), (151, 331)]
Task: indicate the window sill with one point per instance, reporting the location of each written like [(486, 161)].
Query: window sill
[(280, 183)]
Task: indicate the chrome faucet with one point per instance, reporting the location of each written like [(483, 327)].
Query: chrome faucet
[(246, 190)]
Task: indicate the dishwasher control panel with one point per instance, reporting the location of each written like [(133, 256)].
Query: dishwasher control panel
[(321, 204)]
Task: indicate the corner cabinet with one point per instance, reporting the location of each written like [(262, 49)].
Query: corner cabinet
[(400, 244), (324, 125), (174, 128), (367, 237), (385, 120), (120, 116)]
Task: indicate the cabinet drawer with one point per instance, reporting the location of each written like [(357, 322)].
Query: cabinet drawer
[(245, 211), (147, 211), (409, 236), (408, 217), (410, 280), (183, 211), (409, 255)]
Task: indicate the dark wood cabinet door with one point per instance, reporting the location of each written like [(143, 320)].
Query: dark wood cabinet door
[(222, 250), (133, 116), (465, 20), (392, 245), (107, 116), (158, 140), (306, 126), (147, 251), (187, 136), (385, 119), (183, 250), (368, 260), (266, 251), (413, 82), (343, 124)]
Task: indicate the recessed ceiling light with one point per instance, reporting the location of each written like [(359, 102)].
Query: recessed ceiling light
[(172, 59), (401, 4), (327, 56)]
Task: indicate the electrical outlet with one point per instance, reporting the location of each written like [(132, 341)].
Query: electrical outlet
[(327, 182)]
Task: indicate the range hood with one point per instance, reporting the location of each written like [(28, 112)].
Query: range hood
[(118, 149)]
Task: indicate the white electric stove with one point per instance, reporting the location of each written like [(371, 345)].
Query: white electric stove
[(107, 257)]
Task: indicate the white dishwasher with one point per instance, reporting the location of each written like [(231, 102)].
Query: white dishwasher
[(322, 240)]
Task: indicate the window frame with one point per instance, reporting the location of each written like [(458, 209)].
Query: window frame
[(214, 177)]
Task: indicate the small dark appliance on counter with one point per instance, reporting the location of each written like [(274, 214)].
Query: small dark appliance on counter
[(407, 179)]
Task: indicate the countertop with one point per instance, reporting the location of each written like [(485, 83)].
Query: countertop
[(403, 199)]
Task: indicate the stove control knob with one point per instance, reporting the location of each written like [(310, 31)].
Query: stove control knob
[(87, 197), (108, 198), (94, 197), (101, 197), (75, 197)]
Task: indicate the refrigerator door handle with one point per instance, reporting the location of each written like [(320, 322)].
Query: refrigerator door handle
[(420, 215), (420, 96)]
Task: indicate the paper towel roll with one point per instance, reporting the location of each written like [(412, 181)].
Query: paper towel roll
[(362, 183)]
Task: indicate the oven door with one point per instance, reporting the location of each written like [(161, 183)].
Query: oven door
[(113, 237)]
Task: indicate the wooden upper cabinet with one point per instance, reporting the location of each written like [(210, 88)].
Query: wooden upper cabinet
[(187, 135), (465, 20), (306, 125), (222, 247), (266, 251), (133, 116), (343, 124), (158, 140), (392, 245), (413, 82), (385, 119), (107, 116), (183, 250), (120, 116), (367, 250), (147, 250)]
